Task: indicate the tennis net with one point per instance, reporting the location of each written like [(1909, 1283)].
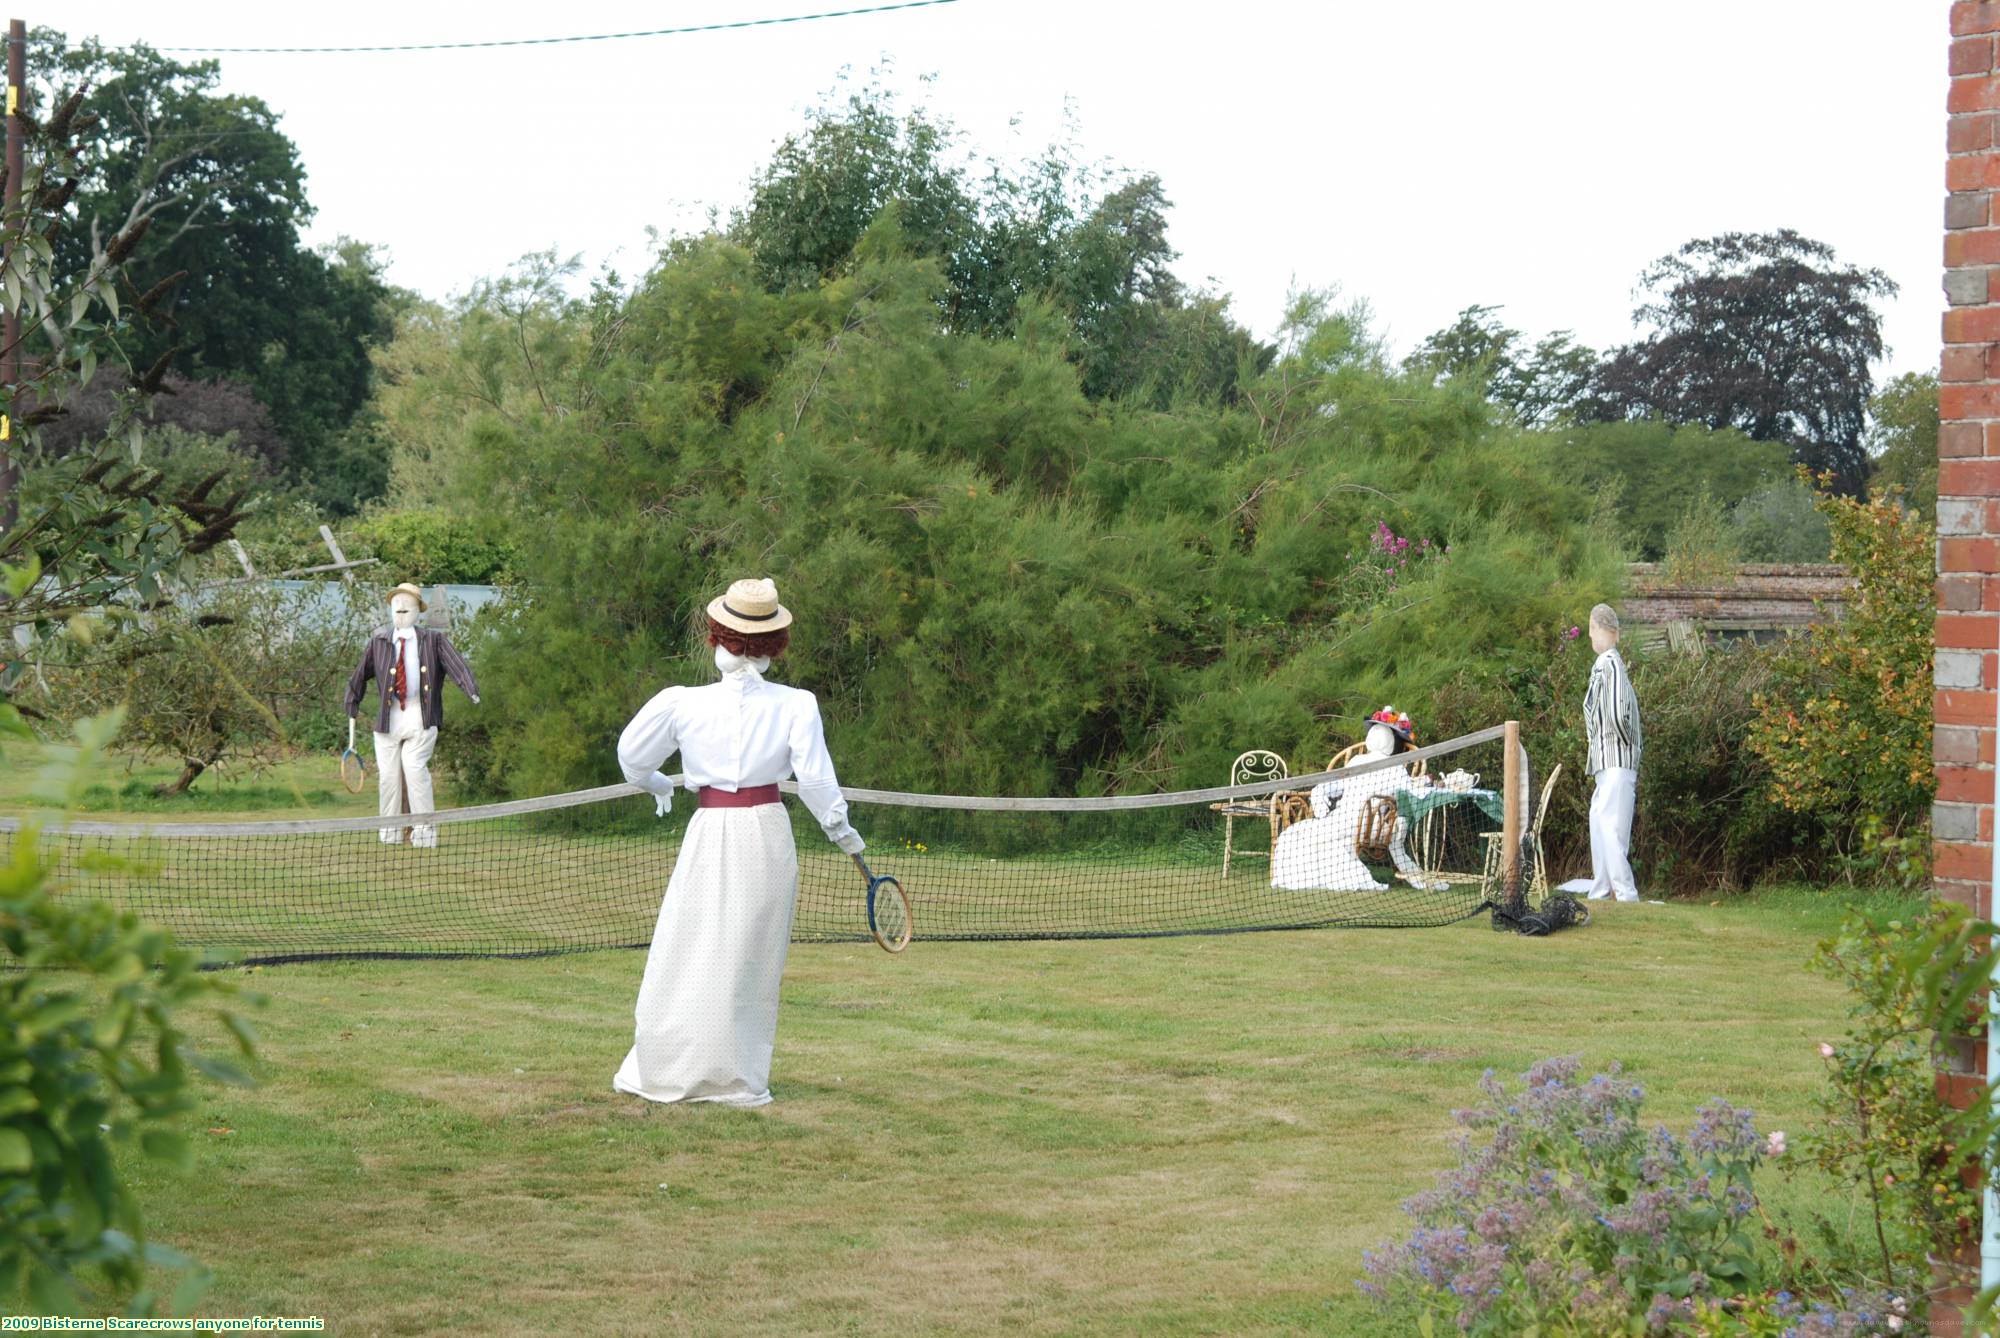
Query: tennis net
[(587, 870)]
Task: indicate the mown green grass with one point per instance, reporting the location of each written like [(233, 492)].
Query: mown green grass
[(1194, 1135)]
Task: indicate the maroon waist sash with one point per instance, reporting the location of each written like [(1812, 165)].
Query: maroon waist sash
[(711, 797)]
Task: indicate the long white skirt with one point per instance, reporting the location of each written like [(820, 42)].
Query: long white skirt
[(708, 1004), (1319, 853)]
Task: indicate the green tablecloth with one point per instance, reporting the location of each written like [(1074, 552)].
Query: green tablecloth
[(1412, 806)]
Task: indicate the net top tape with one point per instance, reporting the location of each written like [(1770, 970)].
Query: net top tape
[(604, 793)]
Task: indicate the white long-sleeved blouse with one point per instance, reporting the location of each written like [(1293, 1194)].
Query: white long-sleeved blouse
[(735, 734)]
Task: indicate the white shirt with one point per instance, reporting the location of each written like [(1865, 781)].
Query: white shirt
[(733, 735)]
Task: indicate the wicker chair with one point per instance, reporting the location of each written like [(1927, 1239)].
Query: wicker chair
[(1259, 764), (1531, 849), (1378, 818)]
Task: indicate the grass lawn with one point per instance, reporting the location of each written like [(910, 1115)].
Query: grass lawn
[(1188, 1135), (1195, 1135)]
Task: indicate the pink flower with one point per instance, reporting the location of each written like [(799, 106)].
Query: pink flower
[(1825, 1050), (1774, 1143)]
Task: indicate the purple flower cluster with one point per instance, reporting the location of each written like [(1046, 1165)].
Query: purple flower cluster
[(1569, 1207), (1389, 552)]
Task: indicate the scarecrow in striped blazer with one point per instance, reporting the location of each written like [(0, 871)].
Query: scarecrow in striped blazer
[(1611, 725)]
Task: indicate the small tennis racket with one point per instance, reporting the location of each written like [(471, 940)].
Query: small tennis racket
[(888, 909), (353, 771)]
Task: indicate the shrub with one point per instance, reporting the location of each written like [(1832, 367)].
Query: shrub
[(1571, 1218), (1844, 724), (231, 678), (92, 1059), (1701, 546), (1780, 523), (428, 546), (1703, 818), (1917, 986)]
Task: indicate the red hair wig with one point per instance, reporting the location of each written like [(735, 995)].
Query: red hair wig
[(750, 645)]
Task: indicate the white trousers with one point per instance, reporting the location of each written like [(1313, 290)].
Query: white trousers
[(1611, 834), (403, 771)]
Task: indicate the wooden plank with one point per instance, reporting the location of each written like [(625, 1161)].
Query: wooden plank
[(339, 558)]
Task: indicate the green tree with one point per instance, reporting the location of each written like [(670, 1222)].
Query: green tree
[(1658, 467), (1539, 389), (1095, 249), (1780, 522), (220, 192), (1903, 438), (214, 682), (92, 1055)]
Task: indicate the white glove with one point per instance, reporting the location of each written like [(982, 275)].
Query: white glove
[(661, 804), (852, 842)]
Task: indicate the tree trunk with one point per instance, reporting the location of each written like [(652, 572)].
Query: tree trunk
[(190, 768)]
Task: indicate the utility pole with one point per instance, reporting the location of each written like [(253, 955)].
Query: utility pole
[(10, 328)]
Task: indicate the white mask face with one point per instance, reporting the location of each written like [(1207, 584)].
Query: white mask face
[(403, 612), (1602, 639), (1381, 740)]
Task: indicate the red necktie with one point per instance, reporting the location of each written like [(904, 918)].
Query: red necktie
[(396, 683)]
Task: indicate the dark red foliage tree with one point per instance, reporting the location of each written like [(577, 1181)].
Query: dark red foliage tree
[(1765, 332)]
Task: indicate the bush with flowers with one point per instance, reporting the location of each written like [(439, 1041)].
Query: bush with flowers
[(1570, 1217), (1844, 724), (1389, 562), (1919, 988)]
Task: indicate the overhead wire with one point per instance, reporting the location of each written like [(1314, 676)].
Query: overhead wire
[(549, 41)]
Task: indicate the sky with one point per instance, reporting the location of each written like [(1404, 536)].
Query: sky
[(1419, 156)]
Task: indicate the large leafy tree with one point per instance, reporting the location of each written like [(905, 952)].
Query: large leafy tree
[(1093, 247), (1903, 438), (220, 192), (1765, 332), (1540, 387)]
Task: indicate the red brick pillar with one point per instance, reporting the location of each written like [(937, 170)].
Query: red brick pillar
[(1968, 589)]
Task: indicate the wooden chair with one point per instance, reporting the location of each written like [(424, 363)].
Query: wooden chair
[(1259, 764), (1531, 849)]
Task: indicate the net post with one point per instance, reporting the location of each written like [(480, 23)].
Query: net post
[(1510, 827)]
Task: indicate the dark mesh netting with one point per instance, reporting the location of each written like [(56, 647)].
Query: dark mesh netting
[(1380, 847)]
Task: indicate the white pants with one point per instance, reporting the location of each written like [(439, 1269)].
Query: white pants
[(403, 770), (1611, 834)]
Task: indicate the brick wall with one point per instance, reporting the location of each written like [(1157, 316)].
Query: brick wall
[(1771, 594), (1968, 593)]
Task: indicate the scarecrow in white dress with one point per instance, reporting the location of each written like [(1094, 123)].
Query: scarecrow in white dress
[(708, 1003), (1321, 854)]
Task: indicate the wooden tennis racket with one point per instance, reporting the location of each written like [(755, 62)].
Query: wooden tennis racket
[(353, 771), (889, 917)]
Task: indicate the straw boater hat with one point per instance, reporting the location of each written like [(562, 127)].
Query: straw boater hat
[(750, 606), (405, 589)]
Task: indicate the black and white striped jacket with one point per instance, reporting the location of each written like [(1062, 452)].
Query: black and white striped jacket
[(1611, 715)]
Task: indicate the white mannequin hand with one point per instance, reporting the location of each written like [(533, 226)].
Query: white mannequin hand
[(350, 734), (661, 804)]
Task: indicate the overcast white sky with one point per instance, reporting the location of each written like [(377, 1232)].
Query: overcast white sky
[(1422, 156)]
